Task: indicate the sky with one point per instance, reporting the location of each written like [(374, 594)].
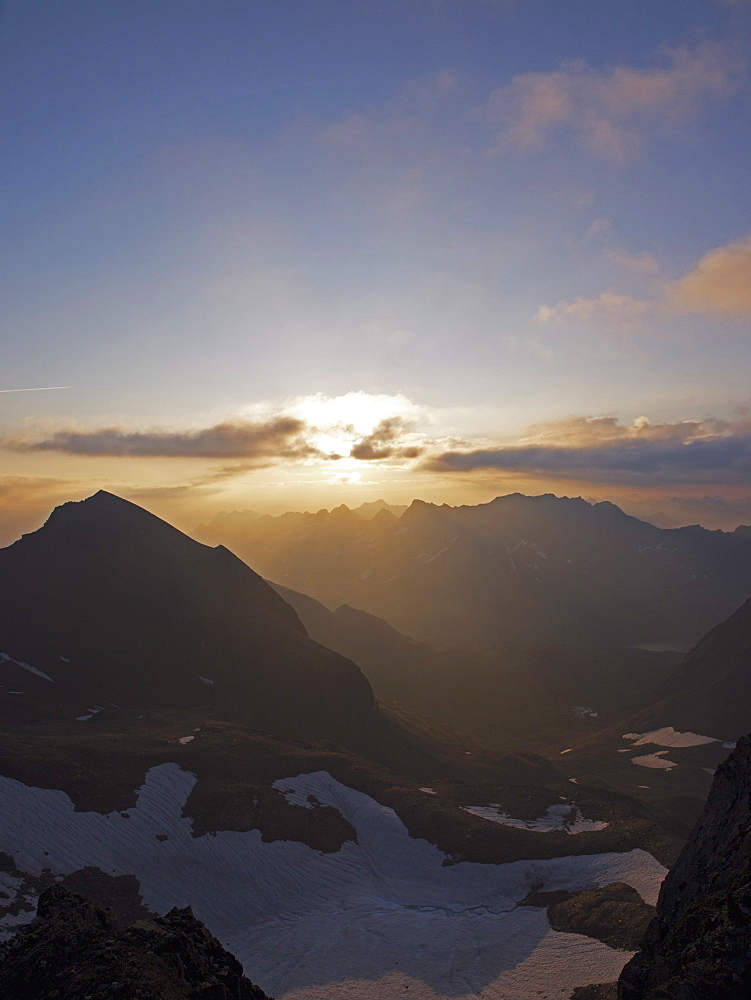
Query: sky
[(286, 255)]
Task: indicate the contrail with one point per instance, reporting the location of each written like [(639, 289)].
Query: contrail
[(38, 388)]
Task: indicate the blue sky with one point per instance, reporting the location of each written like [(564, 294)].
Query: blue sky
[(496, 215)]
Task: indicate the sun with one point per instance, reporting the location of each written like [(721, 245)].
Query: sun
[(341, 421)]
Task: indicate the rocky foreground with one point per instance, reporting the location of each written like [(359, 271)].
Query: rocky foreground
[(699, 945), (74, 949)]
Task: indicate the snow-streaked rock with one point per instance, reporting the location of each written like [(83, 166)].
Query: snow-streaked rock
[(561, 816), (26, 666), (378, 915)]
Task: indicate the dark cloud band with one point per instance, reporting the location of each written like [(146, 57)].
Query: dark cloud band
[(722, 459), (282, 437)]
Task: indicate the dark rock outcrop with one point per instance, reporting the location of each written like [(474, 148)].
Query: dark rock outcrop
[(74, 949), (699, 946), (614, 914), (601, 991)]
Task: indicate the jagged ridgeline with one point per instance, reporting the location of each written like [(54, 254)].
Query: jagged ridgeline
[(533, 568)]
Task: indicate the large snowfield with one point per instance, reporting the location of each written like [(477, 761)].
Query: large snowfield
[(379, 917)]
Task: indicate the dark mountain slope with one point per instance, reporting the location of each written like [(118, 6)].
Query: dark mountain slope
[(710, 691), (667, 753), (700, 944), (107, 604), (516, 695), (74, 949), (540, 569)]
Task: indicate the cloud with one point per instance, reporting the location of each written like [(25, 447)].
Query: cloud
[(386, 440), (605, 450), (644, 263), (280, 437), (720, 284), (611, 112), (607, 309)]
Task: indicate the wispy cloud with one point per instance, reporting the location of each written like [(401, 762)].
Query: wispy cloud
[(607, 309), (602, 449), (611, 113), (719, 285)]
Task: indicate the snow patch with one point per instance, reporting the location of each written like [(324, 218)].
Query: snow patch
[(92, 712), (429, 791), (206, 680), (561, 816), (656, 760), (669, 737), (186, 739), (309, 924), (26, 666)]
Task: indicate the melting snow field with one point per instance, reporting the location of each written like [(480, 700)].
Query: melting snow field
[(668, 737), (561, 816), (656, 760), (378, 917)]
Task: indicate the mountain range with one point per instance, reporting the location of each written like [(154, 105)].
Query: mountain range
[(168, 725), (535, 569), (173, 734)]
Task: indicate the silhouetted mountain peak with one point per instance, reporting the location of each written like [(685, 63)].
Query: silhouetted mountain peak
[(103, 512), (145, 615)]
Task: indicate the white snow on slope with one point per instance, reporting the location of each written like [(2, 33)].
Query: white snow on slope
[(561, 816), (26, 666), (668, 737), (656, 760), (308, 924)]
